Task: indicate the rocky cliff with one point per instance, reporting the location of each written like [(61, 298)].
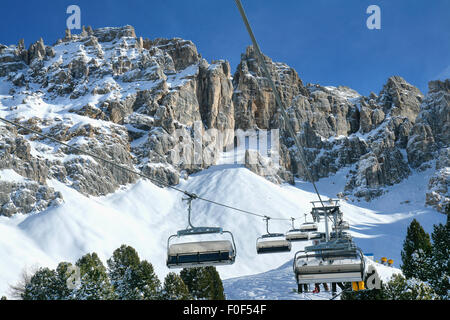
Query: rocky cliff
[(136, 101)]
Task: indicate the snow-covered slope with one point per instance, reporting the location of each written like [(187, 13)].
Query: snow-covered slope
[(144, 216)]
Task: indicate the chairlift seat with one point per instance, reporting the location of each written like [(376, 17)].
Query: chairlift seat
[(316, 235), (344, 225), (343, 235), (339, 255), (297, 235), (202, 253), (331, 267), (266, 244), (308, 227)]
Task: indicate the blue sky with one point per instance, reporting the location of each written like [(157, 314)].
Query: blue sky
[(326, 41)]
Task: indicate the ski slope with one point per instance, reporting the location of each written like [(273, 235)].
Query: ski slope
[(143, 216)]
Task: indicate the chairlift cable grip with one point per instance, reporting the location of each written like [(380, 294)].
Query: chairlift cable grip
[(191, 197), (266, 218)]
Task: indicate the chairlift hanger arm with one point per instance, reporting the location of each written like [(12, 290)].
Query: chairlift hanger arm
[(267, 224), (189, 200)]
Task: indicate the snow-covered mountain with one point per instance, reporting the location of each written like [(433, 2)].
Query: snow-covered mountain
[(126, 98)]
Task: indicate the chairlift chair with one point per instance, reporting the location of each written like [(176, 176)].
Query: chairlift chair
[(308, 226), (342, 225), (334, 261), (200, 253), (272, 242), (341, 235), (316, 236), (296, 234)]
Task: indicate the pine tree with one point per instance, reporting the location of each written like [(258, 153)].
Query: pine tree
[(416, 252), (174, 288), (95, 284), (64, 271), (41, 286), (131, 278), (203, 283), (148, 283), (191, 278), (440, 258), (400, 288), (122, 268), (47, 284), (213, 284)]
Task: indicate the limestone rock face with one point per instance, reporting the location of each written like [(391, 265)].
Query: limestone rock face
[(400, 98), (254, 104), (36, 51), (431, 131), (26, 197), (29, 193), (12, 60), (377, 171), (215, 92), (110, 34), (336, 126), (87, 175), (183, 52), (438, 195), (15, 153), (265, 167)]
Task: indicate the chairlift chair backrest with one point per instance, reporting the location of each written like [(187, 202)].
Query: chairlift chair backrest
[(272, 242), (341, 225), (308, 227), (296, 234), (340, 235), (316, 235), (200, 253), (329, 266)]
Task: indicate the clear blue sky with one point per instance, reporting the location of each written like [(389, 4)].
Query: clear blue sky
[(326, 41)]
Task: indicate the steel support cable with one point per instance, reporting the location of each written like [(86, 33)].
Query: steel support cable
[(152, 179), (277, 96)]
